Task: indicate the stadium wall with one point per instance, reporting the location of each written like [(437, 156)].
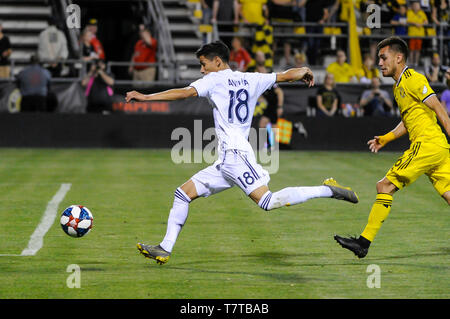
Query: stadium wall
[(71, 99), (155, 131)]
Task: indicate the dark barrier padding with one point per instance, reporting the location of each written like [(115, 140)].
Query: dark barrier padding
[(71, 99), (341, 133), (154, 131)]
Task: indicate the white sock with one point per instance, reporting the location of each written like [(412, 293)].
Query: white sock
[(292, 196), (177, 218)]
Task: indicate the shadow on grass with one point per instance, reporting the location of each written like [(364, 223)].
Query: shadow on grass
[(441, 252), (282, 277), (271, 259)]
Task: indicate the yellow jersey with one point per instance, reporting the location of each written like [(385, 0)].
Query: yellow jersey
[(411, 91), (252, 10), (342, 73), (419, 17)]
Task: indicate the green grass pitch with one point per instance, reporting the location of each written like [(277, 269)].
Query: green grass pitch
[(229, 247)]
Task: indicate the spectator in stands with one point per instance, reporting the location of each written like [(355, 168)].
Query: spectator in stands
[(375, 101), (342, 71), (440, 11), (34, 82), (416, 18), (207, 9), (369, 69), (333, 9), (95, 42), (281, 11), (98, 84), (435, 72), (300, 11), (5, 52), (52, 48), (239, 56), (425, 6), (399, 21), (441, 17), (253, 11), (316, 12), (87, 50), (225, 11), (445, 97), (327, 98), (300, 59), (144, 51)]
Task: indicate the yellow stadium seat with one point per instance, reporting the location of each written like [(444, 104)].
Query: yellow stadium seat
[(205, 28), (198, 14), (299, 30)]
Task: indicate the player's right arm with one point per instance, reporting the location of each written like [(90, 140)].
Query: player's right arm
[(433, 103), (378, 142), (303, 74), (169, 95)]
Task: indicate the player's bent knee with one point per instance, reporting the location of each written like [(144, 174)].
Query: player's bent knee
[(386, 186), (189, 189), (446, 197)]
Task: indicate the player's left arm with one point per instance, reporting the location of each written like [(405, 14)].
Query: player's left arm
[(303, 74), (433, 103), (169, 95)]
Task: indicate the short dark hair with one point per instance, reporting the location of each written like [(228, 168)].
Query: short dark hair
[(395, 43), (34, 59), (213, 49)]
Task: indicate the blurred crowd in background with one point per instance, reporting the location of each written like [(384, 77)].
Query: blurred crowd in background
[(426, 18)]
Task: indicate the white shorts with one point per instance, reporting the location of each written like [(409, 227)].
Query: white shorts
[(237, 168)]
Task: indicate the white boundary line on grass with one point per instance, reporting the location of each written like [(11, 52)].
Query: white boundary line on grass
[(37, 238)]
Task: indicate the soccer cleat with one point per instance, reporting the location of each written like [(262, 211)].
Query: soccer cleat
[(154, 252), (341, 192), (352, 244)]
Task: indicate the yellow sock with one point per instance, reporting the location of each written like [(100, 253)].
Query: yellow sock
[(380, 211)]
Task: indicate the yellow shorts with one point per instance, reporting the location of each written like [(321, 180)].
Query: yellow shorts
[(422, 158)]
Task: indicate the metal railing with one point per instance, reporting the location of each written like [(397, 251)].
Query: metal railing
[(75, 65), (80, 69), (161, 23)]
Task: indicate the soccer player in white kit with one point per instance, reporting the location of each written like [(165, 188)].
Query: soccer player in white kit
[(233, 96)]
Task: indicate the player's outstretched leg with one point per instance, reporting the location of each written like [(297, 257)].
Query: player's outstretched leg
[(341, 192), (295, 195), (177, 218)]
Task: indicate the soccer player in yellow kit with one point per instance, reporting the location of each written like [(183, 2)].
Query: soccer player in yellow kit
[(429, 152)]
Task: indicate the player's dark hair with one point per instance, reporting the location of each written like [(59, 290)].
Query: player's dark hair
[(213, 49), (396, 44)]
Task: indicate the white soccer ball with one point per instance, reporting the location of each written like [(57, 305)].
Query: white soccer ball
[(76, 220)]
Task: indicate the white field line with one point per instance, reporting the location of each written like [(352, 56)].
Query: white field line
[(37, 238)]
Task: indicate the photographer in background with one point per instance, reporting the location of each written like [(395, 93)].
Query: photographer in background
[(98, 84), (374, 100)]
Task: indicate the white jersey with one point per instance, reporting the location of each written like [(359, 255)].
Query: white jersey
[(233, 96)]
